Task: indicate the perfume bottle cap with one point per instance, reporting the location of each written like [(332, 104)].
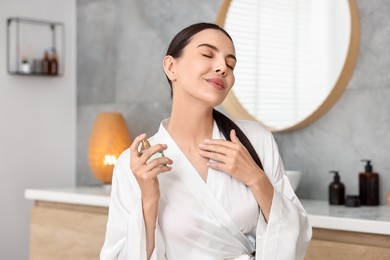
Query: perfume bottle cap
[(145, 144)]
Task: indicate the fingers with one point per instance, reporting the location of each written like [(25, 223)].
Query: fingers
[(222, 147), (159, 169), (148, 153), (234, 144), (214, 156), (220, 167), (224, 155), (147, 164), (134, 146), (155, 162), (233, 137)]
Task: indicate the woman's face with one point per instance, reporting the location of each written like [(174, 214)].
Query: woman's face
[(205, 70)]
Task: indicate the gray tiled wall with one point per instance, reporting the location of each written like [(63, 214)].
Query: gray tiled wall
[(120, 47)]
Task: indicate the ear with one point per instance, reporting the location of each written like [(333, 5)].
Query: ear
[(169, 65)]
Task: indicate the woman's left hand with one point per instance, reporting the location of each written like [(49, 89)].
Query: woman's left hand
[(233, 158)]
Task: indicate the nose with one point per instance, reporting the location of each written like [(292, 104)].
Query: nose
[(221, 71), (220, 67)]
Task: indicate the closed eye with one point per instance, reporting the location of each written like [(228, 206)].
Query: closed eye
[(210, 56)]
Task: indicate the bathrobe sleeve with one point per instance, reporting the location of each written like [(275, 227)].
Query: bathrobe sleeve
[(125, 231), (287, 234)]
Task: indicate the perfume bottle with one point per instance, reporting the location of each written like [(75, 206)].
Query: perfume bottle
[(53, 63), (146, 145), (46, 63)]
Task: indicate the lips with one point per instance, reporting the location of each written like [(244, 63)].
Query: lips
[(216, 82)]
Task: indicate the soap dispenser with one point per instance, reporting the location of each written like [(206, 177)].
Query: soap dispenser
[(369, 186), (336, 190)]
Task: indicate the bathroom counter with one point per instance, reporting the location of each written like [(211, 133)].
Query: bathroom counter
[(366, 219), (80, 214), (89, 196), (373, 219)]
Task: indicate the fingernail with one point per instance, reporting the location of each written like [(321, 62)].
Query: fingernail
[(207, 140)]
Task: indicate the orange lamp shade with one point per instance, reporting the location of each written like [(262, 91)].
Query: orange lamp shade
[(109, 138)]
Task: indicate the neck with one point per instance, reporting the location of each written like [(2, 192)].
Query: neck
[(190, 125)]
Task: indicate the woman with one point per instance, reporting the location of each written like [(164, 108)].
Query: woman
[(221, 191)]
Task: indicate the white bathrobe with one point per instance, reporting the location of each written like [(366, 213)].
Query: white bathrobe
[(200, 220)]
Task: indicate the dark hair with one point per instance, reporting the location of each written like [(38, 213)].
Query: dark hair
[(225, 125)]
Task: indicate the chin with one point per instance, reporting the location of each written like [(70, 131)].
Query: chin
[(215, 100), (214, 103)]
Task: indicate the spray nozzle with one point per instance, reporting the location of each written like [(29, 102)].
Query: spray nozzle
[(145, 144)]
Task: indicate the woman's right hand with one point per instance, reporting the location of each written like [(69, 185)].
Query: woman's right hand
[(146, 173)]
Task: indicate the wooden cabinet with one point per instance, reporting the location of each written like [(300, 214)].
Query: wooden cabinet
[(344, 245), (66, 231), (69, 230)]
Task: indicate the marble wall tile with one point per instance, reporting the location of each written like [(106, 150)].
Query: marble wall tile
[(372, 70), (96, 52)]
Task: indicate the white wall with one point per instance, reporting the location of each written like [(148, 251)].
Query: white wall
[(37, 126)]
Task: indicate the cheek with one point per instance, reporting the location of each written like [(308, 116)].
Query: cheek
[(198, 67), (231, 81), (189, 69)]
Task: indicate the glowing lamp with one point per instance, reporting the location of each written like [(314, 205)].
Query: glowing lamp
[(109, 138)]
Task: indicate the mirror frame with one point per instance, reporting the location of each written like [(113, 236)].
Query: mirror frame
[(233, 106)]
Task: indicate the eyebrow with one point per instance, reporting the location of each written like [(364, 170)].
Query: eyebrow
[(216, 49)]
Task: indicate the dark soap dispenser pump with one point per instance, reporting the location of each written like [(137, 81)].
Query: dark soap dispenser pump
[(369, 186), (336, 190)]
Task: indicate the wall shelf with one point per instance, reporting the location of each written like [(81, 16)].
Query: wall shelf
[(27, 41)]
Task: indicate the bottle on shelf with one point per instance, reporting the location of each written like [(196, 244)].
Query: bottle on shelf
[(53, 63), (25, 66), (46, 63), (37, 66)]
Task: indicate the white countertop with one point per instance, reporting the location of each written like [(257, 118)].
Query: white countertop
[(366, 219), (89, 196), (373, 219)]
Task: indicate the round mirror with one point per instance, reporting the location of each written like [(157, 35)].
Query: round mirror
[(295, 58)]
